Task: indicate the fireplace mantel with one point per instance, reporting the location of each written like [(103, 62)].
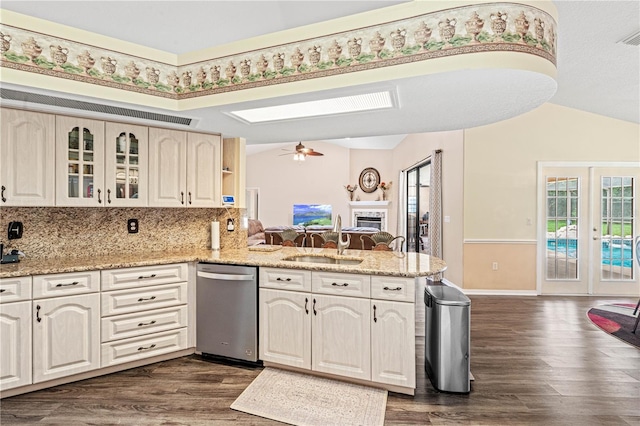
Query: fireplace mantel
[(369, 203)]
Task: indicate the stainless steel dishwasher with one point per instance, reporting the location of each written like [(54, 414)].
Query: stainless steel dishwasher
[(227, 312)]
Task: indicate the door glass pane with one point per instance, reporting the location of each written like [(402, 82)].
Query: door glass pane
[(412, 180), (87, 138), (424, 192), (121, 143), (133, 147), (133, 183), (74, 138), (617, 228), (562, 199), (121, 182)]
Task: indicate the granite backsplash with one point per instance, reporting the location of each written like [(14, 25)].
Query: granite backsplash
[(88, 231)]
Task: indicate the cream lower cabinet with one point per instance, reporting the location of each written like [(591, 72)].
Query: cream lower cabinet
[(351, 325), (285, 327), (393, 348), (66, 336), (15, 344), (144, 312), (340, 336)]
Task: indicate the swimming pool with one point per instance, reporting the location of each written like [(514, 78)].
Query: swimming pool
[(614, 252)]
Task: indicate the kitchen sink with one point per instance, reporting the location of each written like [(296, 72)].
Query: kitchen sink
[(325, 259)]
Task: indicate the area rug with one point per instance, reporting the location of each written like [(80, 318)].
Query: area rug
[(616, 319), (300, 399)]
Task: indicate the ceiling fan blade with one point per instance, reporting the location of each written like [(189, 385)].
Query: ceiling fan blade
[(314, 153)]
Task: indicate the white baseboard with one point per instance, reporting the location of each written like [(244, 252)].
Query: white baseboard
[(474, 292)]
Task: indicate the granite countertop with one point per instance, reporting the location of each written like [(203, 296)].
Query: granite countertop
[(374, 263)]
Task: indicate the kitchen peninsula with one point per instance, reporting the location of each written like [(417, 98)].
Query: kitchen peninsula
[(354, 320)]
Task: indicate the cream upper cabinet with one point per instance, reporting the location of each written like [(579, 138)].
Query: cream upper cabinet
[(79, 162), (66, 336), (27, 149), (167, 168), (285, 327), (126, 165), (184, 169), (393, 345), (341, 339), (15, 345), (203, 170)]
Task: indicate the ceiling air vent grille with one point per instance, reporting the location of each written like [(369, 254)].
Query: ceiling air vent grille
[(632, 40), (16, 95)]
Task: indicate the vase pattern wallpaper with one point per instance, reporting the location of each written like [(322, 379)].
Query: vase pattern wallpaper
[(491, 27)]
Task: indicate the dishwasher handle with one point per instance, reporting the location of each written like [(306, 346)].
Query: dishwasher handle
[(226, 277)]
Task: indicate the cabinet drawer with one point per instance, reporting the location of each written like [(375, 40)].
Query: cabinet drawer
[(144, 299), (341, 284), (136, 348), (141, 323), (15, 289), (393, 288), (285, 279), (116, 279), (65, 284)]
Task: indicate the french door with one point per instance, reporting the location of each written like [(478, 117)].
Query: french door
[(589, 220), (417, 208)]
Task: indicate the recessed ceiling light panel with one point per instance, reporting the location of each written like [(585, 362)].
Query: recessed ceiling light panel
[(323, 107)]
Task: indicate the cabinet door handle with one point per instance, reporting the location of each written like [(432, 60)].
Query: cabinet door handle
[(339, 285), (306, 301), (67, 285), (4, 188), (189, 197), (99, 199), (393, 289), (314, 307), (375, 319), (109, 196), (142, 277), (38, 313), (2, 290), (147, 323), (283, 279), (142, 348), (142, 299), (181, 197)]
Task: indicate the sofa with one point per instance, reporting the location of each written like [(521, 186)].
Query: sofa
[(255, 233)]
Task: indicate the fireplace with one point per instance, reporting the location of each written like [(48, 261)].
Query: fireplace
[(370, 218), (369, 222)]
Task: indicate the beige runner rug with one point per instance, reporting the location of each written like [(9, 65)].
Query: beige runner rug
[(300, 399)]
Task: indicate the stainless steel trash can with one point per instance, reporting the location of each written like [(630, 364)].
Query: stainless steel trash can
[(447, 338)]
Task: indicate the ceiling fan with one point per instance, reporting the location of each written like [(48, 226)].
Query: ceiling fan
[(301, 152)]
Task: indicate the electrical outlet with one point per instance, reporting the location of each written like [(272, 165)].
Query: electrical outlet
[(132, 226), (494, 266), (230, 225)]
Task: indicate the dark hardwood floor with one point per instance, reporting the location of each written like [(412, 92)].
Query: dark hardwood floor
[(536, 360)]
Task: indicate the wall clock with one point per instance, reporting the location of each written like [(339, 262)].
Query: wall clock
[(369, 179)]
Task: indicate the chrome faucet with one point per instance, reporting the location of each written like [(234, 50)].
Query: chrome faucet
[(337, 227)]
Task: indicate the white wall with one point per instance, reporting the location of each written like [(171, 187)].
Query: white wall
[(417, 147), (284, 182), (500, 185)]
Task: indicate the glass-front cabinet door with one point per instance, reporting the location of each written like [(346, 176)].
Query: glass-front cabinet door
[(126, 164), (79, 162)]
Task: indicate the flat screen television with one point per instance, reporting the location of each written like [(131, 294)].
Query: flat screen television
[(311, 214)]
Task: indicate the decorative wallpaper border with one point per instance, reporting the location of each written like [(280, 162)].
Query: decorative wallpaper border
[(492, 27)]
